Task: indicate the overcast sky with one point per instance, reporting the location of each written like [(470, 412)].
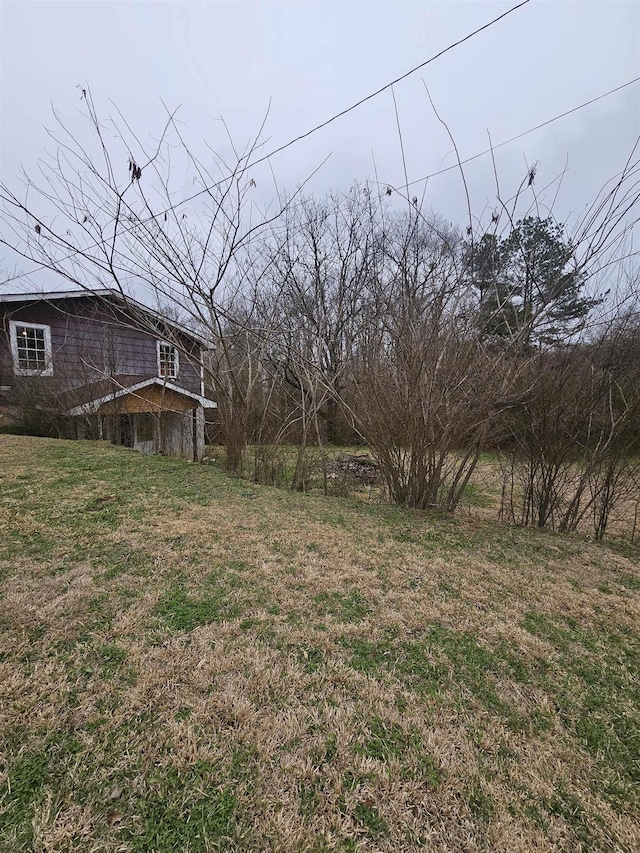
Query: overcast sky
[(312, 59)]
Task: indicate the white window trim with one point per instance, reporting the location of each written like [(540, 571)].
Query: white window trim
[(13, 334), (177, 357)]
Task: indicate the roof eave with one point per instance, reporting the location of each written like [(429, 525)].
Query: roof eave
[(106, 293), (92, 406)]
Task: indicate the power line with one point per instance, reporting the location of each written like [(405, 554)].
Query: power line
[(411, 183), (383, 88), (524, 133), (352, 107), (301, 136)]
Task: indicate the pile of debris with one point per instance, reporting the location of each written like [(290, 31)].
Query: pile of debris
[(358, 467)]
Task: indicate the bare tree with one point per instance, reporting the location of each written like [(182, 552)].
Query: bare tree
[(418, 366), (320, 277), (430, 343), (570, 453), (107, 212)]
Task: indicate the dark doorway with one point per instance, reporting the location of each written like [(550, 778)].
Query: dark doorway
[(125, 425)]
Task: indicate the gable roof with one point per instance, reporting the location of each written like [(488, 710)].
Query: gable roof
[(107, 295), (93, 405)]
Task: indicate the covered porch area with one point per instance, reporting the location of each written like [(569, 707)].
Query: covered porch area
[(154, 416)]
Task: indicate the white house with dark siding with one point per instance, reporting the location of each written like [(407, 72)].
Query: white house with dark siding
[(107, 366)]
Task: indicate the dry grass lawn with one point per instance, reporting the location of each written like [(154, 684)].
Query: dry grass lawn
[(192, 663)]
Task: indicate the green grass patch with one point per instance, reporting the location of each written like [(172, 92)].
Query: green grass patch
[(184, 612), (351, 607), (596, 689), (368, 816), (446, 661), (189, 810)]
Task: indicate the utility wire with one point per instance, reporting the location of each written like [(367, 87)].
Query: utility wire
[(383, 88), (411, 183), (351, 108), (303, 135), (520, 135)]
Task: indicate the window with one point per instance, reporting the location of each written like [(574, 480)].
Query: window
[(167, 361), (31, 349)]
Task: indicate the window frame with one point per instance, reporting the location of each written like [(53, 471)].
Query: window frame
[(176, 360), (47, 370)]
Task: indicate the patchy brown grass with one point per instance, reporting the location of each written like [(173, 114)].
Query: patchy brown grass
[(190, 662)]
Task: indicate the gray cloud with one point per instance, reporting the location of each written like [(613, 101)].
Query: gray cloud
[(313, 59)]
